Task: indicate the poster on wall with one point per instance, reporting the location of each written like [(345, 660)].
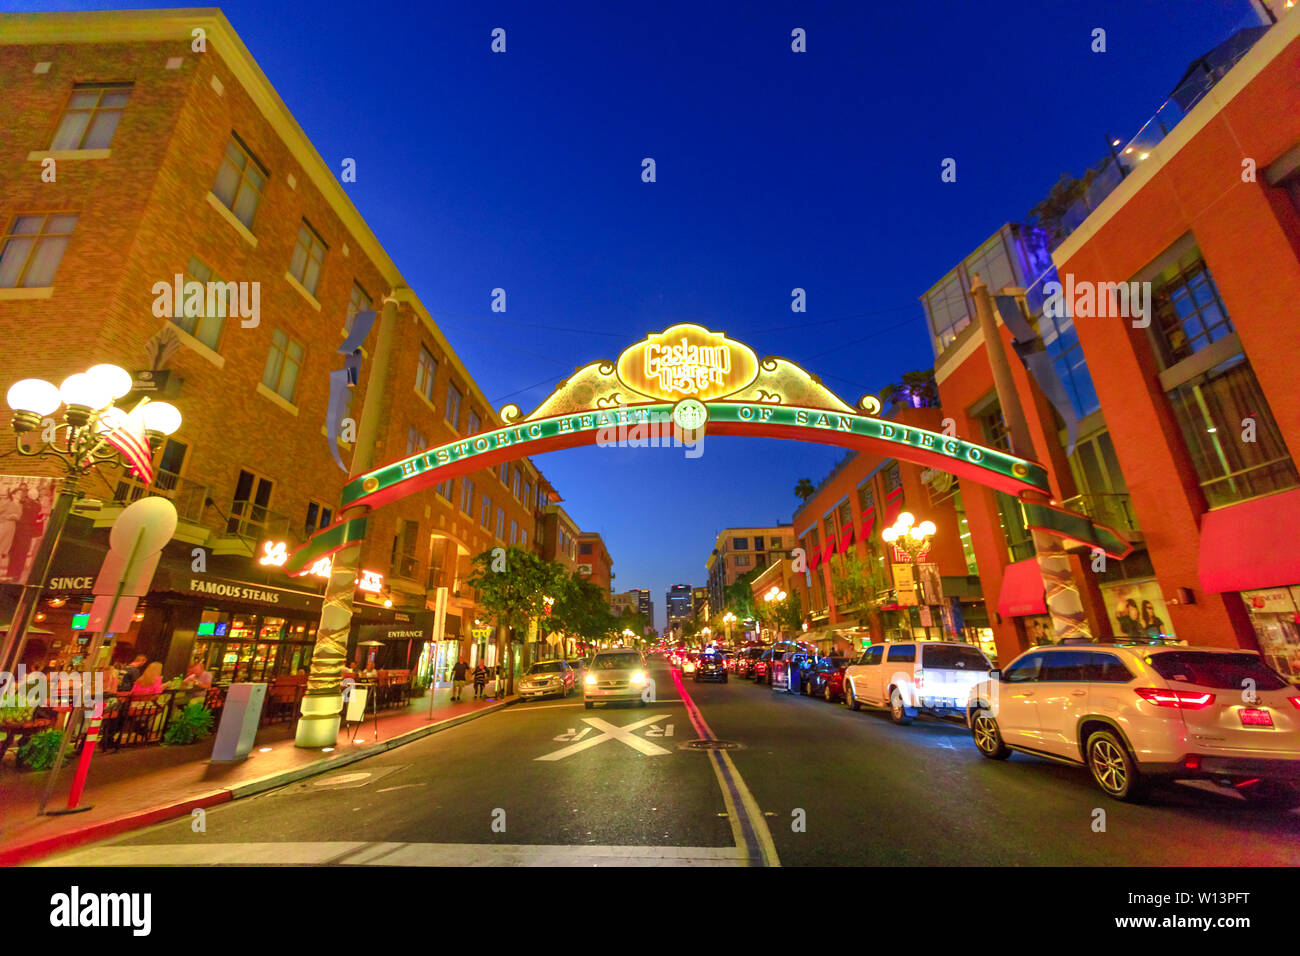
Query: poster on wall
[(1137, 610), (905, 585), (25, 504), (1275, 615), (931, 583)]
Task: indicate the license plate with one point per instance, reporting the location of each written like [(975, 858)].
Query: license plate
[(1254, 717)]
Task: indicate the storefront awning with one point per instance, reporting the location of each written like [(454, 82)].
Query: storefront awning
[(1022, 590), (1255, 544)]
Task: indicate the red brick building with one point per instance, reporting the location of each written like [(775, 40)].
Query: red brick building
[(847, 513), (130, 159), (1187, 419)]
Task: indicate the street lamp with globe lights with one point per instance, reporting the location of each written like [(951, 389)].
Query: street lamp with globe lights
[(909, 537), (774, 595), (728, 619), (80, 444)]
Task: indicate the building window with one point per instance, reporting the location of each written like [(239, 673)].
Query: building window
[(584, 547), (1187, 312), (514, 484), (91, 116), (358, 301), (995, 430), (444, 489), (739, 544), (741, 561), (194, 315), (1061, 340), (308, 256), (893, 478), (426, 368), (452, 413), (404, 564), (504, 474), (248, 510), (472, 423), (523, 538), (467, 497), (1213, 411), (948, 310), (485, 516), (514, 531), (845, 514), (528, 494), (828, 527), (240, 181), (32, 249), (866, 497), (318, 516), (415, 442), (501, 524), (282, 365)]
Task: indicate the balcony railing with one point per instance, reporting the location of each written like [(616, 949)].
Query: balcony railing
[(257, 523), (1113, 510), (188, 496)]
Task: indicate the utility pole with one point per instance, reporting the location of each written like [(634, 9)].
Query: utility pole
[(322, 703), (1059, 587)]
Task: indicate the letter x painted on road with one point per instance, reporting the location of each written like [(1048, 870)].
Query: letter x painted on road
[(610, 732)]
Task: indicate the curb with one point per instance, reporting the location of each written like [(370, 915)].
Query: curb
[(31, 852)]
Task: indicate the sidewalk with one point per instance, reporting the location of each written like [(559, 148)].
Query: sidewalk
[(140, 786)]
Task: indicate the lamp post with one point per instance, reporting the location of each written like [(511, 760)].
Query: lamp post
[(911, 538), (774, 595), (80, 444), (728, 619)]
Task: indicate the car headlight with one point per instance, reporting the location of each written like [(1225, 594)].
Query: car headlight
[(590, 680), (638, 678)]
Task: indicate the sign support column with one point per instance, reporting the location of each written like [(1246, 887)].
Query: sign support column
[(1060, 589), (323, 701)]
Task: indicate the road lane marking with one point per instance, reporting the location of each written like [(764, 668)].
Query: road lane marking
[(519, 710), (656, 731), (398, 854), (748, 828), (610, 732)]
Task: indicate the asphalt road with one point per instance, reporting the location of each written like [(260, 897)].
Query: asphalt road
[(809, 783)]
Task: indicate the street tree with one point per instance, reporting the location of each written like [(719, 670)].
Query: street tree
[(861, 585), (738, 598), (804, 490), (580, 610), (513, 593)]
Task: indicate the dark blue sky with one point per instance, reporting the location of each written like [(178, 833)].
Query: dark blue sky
[(775, 170)]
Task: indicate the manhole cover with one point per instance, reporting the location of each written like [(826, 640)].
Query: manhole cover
[(711, 745)]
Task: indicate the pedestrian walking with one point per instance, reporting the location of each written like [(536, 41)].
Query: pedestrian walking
[(480, 681), (458, 678)]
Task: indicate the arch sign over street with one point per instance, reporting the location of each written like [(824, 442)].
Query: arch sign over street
[(685, 381)]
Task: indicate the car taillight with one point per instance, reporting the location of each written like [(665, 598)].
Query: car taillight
[(1295, 702), (1181, 700)]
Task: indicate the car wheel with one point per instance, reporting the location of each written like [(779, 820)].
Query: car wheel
[(897, 711), (1113, 768), (850, 701), (587, 704), (826, 692), (988, 739), (1272, 795)]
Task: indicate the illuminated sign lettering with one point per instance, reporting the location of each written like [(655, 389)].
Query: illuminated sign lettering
[(371, 581), (274, 553)]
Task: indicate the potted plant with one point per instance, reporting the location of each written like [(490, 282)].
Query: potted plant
[(193, 722), (38, 751)]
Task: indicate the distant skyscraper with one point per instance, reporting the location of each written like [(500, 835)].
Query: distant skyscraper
[(678, 601)]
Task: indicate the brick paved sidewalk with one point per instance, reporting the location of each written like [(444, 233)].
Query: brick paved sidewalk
[(139, 786)]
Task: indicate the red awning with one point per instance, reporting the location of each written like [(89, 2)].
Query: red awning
[(1022, 590), (868, 522), (815, 559), (1255, 544), (828, 549), (893, 506), (846, 539)]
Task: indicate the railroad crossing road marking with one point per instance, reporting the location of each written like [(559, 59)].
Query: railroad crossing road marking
[(610, 732)]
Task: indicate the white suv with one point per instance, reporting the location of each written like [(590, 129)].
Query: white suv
[(619, 673), (1132, 714), (913, 676)]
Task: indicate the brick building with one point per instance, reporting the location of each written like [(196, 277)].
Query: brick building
[(1187, 420), (594, 562), (845, 515), (168, 162), (738, 551)]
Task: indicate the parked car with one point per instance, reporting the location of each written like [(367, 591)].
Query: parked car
[(1137, 715), (614, 675), (826, 678), (762, 665), (792, 666), (545, 678), (910, 677)]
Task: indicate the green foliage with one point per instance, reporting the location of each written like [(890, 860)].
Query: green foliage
[(859, 583), (915, 389), (738, 597), (514, 595), (38, 751), (789, 613), (16, 715), (634, 621), (580, 609), (804, 490), (193, 723)]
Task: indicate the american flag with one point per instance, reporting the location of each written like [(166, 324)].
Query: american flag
[(125, 432)]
